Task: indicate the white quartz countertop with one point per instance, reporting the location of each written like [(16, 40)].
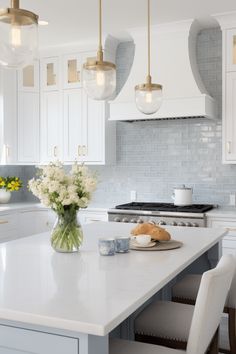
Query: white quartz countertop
[(29, 205), (86, 292)]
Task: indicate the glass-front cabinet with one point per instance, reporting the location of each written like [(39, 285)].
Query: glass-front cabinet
[(72, 70), (231, 49), (28, 78), (50, 74)]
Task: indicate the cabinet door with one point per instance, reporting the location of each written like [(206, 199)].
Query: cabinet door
[(50, 74), (72, 125), (72, 67), (8, 116), (51, 127), (28, 127), (36, 221), (28, 78), (231, 49), (9, 227), (20, 341), (230, 119), (93, 130)]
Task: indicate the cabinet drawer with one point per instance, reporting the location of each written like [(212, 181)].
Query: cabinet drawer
[(8, 222), (229, 243), (20, 341)]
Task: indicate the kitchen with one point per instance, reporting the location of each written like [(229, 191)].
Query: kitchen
[(141, 161)]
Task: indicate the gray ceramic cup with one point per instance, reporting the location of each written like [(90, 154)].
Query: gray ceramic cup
[(122, 244), (106, 246)]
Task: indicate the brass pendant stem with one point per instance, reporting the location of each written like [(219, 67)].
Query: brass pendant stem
[(149, 80), (15, 4), (149, 40), (100, 24)]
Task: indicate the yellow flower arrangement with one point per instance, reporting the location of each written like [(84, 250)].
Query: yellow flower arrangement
[(11, 184)]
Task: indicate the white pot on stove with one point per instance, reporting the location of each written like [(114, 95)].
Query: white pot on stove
[(183, 196)]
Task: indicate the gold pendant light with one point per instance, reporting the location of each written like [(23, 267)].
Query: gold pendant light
[(99, 76), (148, 96), (18, 36)]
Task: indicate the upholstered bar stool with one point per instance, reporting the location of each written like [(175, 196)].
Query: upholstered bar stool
[(205, 318), (186, 290)]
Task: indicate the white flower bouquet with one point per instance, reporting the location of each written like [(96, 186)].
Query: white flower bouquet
[(65, 193)]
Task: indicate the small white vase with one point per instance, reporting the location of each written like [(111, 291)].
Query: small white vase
[(5, 196)]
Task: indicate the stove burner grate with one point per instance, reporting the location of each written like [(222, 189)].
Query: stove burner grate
[(194, 208)]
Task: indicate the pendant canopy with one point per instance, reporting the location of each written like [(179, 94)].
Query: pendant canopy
[(18, 36), (99, 76), (148, 96)]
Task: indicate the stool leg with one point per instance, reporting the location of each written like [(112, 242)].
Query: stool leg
[(232, 330), (214, 346)]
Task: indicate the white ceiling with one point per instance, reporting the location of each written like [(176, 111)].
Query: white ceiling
[(76, 20)]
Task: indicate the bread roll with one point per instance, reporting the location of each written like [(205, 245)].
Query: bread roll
[(156, 232)]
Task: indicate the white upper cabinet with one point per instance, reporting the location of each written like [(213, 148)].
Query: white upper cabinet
[(227, 22), (50, 74), (28, 115), (73, 127), (51, 127), (72, 71), (8, 116), (231, 49), (73, 124)]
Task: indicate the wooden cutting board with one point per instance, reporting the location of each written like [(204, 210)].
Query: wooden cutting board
[(160, 246)]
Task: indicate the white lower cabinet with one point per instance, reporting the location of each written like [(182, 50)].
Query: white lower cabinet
[(36, 221), (8, 226), (229, 241), (20, 341)]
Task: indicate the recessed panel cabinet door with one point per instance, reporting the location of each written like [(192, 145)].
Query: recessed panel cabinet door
[(51, 127), (20, 341), (230, 119), (93, 130), (72, 125), (28, 127)]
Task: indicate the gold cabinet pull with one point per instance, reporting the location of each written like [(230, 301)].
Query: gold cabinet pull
[(84, 150), (7, 151), (79, 150), (55, 151), (3, 222), (230, 228), (78, 76), (229, 147)]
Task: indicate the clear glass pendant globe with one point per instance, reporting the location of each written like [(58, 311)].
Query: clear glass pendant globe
[(148, 101), (99, 84), (18, 44)]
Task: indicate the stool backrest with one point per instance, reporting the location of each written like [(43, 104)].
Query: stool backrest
[(232, 292), (211, 297)]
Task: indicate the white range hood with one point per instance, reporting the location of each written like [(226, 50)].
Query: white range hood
[(174, 66)]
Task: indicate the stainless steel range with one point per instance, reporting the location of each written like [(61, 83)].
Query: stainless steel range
[(161, 214)]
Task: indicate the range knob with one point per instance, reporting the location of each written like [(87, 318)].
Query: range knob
[(134, 221), (194, 224), (140, 221), (189, 224), (181, 224), (151, 222), (174, 223), (117, 219), (161, 222), (125, 220)]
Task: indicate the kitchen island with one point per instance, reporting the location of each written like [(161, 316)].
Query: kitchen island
[(69, 303)]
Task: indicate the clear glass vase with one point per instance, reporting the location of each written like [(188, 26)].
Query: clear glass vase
[(67, 234)]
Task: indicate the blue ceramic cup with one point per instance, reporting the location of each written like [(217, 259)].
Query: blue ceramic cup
[(122, 244), (106, 246)]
